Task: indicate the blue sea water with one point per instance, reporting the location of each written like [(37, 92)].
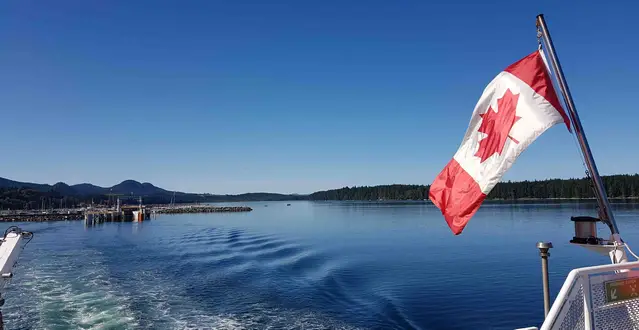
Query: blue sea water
[(310, 265)]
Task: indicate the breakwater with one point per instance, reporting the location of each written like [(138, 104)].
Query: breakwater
[(202, 209), (80, 214), (40, 217)]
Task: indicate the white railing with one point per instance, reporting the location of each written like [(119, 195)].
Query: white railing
[(597, 297)]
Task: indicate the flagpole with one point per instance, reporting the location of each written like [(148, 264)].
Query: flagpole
[(600, 190)]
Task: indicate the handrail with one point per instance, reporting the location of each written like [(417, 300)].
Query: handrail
[(572, 279)]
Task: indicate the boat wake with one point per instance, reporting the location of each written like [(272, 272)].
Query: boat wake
[(61, 293), (213, 278)]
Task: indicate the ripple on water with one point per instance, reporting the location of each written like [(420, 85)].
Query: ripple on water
[(234, 246), (234, 236), (278, 253), (264, 317), (252, 241)]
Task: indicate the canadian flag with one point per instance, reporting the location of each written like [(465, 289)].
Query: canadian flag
[(518, 105)]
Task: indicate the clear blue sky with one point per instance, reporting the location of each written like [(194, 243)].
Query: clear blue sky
[(293, 96)]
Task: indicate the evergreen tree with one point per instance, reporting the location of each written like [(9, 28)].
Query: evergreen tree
[(617, 186)]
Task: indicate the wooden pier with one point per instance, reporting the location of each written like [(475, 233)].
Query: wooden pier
[(125, 214)]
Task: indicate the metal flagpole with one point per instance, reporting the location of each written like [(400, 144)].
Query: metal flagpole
[(600, 191)]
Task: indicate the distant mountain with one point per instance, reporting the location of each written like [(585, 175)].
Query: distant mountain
[(89, 189), (149, 192), (135, 188), (6, 183), (126, 187), (63, 189)]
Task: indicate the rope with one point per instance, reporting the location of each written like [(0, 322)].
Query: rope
[(574, 130), (633, 254)]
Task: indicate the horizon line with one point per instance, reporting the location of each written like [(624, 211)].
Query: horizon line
[(306, 194)]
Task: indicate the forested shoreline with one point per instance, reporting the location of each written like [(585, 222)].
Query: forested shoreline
[(623, 186)]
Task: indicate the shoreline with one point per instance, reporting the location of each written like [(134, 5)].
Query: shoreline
[(505, 201)]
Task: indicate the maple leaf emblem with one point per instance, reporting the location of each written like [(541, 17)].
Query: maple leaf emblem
[(497, 125)]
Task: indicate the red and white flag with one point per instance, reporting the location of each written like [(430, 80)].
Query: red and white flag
[(518, 105)]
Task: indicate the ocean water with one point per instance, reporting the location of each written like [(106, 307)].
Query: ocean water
[(310, 265)]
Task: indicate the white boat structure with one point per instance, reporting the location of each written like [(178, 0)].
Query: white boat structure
[(597, 297), (11, 245)]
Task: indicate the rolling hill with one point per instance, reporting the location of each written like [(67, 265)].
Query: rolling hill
[(148, 191)]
